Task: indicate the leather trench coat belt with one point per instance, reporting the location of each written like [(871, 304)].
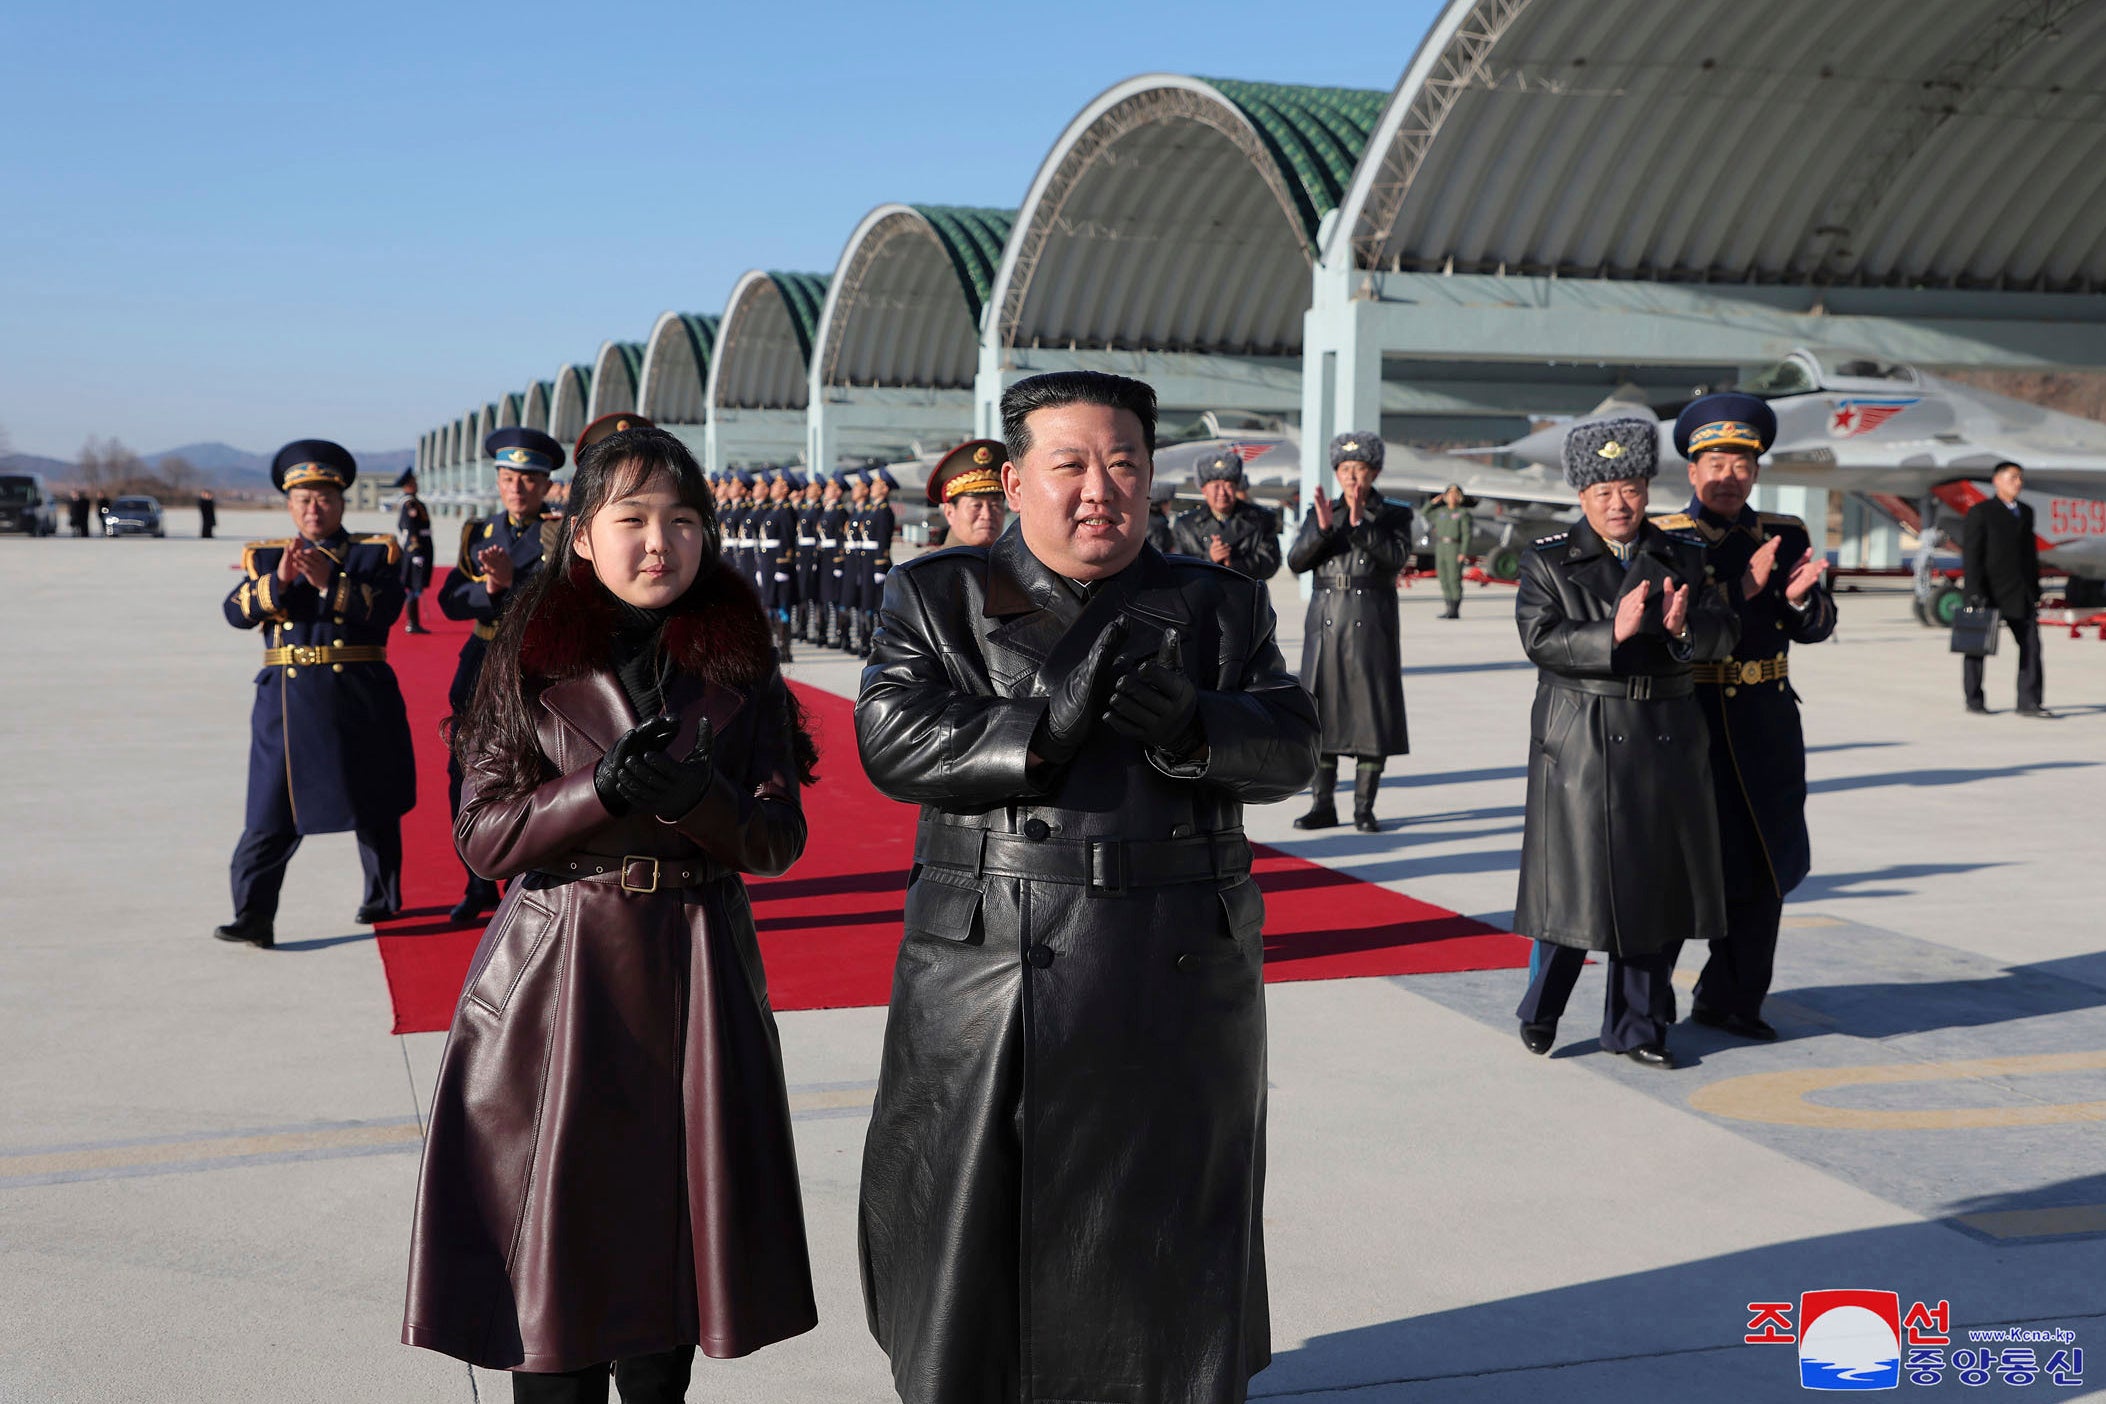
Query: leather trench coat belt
[(1619, 846), (1063, 1180)]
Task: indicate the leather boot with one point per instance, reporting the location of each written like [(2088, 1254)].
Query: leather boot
[(833, 626), (1367, 781), (782, 639), (1453, 611), (1323, 805), (869, 628)]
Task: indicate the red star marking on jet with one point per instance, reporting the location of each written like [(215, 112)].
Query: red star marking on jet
[(1844, 418)]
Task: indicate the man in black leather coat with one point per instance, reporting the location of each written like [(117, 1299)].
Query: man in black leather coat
[(1619, 847), (1353, 547), (1063, 1183)]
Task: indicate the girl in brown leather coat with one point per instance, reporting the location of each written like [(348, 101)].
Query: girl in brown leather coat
[(609, 1179)]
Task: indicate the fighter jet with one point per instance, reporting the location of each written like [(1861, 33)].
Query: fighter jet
[(1911, 440)]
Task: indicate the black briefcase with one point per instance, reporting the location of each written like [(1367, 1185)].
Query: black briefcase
[(1974, 631)]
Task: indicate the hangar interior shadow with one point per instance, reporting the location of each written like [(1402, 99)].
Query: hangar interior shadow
[(1679, 1328)]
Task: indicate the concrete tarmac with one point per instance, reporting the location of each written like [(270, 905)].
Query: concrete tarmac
[(207, 1154)]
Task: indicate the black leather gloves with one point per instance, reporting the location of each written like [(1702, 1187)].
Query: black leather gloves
[(1156, 704), (659, 785), (607, 776), (1076, 697)]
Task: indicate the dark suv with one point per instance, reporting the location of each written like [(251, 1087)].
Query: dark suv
[(26, 505)]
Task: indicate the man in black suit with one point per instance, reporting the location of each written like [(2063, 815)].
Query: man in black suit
[(2003, 569)]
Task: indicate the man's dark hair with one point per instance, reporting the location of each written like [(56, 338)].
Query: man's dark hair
[(2007, 463), (1057, 388)]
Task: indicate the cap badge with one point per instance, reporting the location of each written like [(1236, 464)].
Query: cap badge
[(1611, 449), (983, 455)]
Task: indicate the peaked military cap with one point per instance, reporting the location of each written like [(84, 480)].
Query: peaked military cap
[(1728, 420), (1357, 446), (1225, 466), (524, 450), (607, 426), (409, 475), (881, 475), (975, 466), (313, 463), (1605, 450)]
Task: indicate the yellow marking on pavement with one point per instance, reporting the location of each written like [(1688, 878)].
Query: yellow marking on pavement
[(214, 1148), (2038, 1223), (1779, 1098)]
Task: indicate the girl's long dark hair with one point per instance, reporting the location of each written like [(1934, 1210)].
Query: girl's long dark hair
[(498, 727)]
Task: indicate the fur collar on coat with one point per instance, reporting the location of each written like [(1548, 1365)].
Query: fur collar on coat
[(716, 631)]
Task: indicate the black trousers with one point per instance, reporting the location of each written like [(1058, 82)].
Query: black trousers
[(1639, 1006), (2031, 675), (1736, 978), (258, 869), (648, 1379)]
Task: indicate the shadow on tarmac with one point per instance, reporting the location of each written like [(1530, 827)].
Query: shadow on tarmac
[(1922, 779), (1676, 1332), (1819, 885), (1888, 1010)]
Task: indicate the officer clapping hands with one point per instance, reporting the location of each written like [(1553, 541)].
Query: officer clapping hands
[(497, 568), (1156, 704), (1674, 612), (302, 558), (1806, 572), (1076, 696)]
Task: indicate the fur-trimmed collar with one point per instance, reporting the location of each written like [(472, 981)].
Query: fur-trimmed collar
[(716, 632)]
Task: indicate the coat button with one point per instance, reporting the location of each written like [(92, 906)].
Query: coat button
[(1186, 961), (1036, 829), (1040, 956), (1732, 692)]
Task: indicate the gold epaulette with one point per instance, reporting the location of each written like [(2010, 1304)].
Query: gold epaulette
[(551, 534), (1675, 521), (249, 550), (394, 547), (466, 562)]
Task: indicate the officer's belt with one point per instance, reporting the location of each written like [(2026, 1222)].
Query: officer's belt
[(485, 632), (1102, 865), (1642, 688), (1746, 672), (637, 872), (1354, 582), (317, 655)]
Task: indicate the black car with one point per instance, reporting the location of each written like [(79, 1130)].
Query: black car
[(26, 505), (134, 516)]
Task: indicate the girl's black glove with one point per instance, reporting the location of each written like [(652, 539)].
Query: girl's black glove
[(669, 789), (646, 739)]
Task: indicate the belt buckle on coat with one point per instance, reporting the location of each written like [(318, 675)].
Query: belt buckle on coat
[(1750, 672), (633, 858), (1641, 687), (1107, 868)]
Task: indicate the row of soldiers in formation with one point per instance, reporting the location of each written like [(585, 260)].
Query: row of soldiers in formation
[(816, 546)]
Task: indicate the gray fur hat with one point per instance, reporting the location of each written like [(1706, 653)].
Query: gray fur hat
[(1357, 446), (1226, 465), (1162, 489), (1604, 450)]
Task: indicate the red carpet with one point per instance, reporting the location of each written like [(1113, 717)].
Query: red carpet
[(829, 928)]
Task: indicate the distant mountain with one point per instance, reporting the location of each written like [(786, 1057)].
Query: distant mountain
[(223, 465), (52, 468)]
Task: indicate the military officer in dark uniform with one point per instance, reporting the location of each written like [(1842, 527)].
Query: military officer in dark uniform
[(1619, 849), (738, 531), (775, 539), (329, 741), (966, 486), (498, 554), (808, 626), (833, 558), (77, 509), (879, 524), (1766, 564), (1352, 653), (855, 547), (1161, 493), (1226, 529), (413, 532)]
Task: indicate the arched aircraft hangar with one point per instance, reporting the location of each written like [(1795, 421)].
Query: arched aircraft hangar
[(1677, 194), (1557, 200), (760, 368), (897, 342), (1169, 234), (674, 386)]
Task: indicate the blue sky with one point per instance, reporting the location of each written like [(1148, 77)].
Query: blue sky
[(254, 223)]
